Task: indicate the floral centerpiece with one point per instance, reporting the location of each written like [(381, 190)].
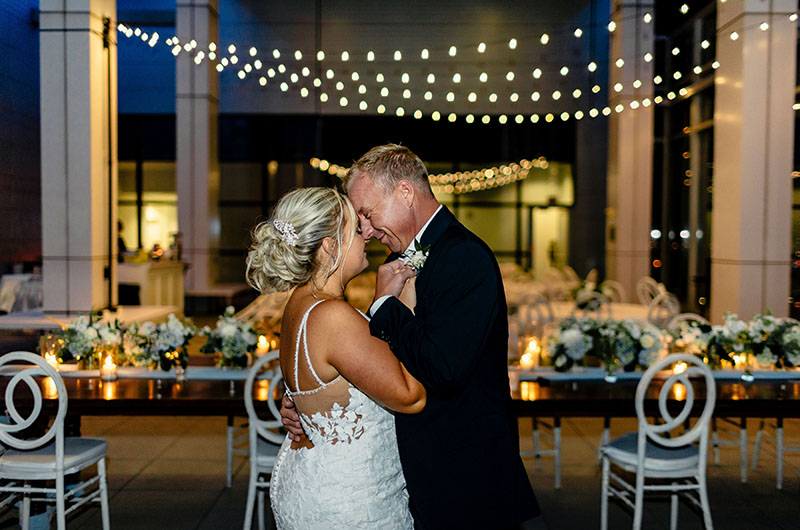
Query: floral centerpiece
[(85, 337), (171, 338), (233, 338), (638, 344), (625, 344), (731, 342), (691, 337), (138, 345)]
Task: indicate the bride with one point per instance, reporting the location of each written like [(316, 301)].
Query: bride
[(341, 379)]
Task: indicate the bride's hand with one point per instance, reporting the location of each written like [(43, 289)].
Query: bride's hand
[(409, 293), (391, 278)]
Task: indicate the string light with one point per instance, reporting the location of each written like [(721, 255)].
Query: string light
[(175, 47)]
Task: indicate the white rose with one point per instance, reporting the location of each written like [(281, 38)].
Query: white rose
[(647, 341), (227, 330)]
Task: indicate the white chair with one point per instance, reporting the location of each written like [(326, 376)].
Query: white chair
[(675, 323), (592, 303), (780, 448), (662, 309), (552, 431), (646, 290), (266, 437), (237, 443), (51, 456), (613, 290), (734, 430), (535, 312), (678, 462)]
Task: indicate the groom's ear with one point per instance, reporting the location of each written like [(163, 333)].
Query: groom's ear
[(407, 192)]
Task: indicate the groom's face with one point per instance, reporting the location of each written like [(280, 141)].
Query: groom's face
[(384, 216)]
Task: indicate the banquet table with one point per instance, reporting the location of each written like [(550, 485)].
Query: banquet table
[(619, 311), (205, 391), (209, 391), (545, 393)]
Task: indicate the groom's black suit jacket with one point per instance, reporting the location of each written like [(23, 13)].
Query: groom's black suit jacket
[(460, 455)]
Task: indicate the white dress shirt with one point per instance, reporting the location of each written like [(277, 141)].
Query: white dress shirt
[(379, 302)]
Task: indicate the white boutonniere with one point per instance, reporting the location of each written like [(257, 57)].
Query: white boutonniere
[(417, 257)]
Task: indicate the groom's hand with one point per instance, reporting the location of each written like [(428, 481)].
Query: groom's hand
[(392, 277), (291, 420)]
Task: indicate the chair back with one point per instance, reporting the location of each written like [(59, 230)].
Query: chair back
[(269, 429), (613, 290), (33, 365), (535, 312), (662, 309), (646, 290), (592, 303), (659, 433), (675, 324)]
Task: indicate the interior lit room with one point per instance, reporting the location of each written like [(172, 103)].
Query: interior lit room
[(577, 303)]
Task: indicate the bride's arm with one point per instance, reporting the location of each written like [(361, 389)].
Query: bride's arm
[(365, 361)]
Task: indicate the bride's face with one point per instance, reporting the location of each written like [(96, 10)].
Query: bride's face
[(355, 260)]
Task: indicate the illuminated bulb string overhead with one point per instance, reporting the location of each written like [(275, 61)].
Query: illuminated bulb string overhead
[(462, 181), (256, 68)]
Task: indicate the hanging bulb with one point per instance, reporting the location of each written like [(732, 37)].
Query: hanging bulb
[(512, 44)]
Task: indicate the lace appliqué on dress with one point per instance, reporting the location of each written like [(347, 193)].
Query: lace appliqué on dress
[(339, 425)]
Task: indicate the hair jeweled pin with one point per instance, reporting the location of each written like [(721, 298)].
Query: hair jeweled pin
[(288, 234)]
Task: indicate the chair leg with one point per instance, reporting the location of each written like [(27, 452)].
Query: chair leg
[(673, 512), (604, 496), (638, 507), (101, 471), (251, 501), (25, 510), (715, 440), (605, 437), (743, 450), (536, 445), (557, 448), (757, 445), (229, 454), (261, 509), (704, 503), (61, 516), (779, 451)]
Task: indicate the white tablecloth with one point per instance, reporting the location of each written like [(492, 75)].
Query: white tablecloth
[(619, 311)]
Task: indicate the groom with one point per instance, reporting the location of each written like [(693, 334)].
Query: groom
[(460, 455)]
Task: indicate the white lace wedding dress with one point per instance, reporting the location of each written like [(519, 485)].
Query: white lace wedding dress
[(351, 477)]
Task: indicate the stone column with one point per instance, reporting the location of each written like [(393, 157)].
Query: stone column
[(197, 167), (79, 154), (630, 145), (753, 154)]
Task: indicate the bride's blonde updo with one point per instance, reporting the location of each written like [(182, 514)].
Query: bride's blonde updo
[(284, 252)]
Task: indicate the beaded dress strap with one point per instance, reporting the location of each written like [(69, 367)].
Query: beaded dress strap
[(302, 332)]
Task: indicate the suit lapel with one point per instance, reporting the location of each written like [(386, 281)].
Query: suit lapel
[(432, 234), (438, 225)]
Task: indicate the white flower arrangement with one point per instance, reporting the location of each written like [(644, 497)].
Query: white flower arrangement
[(232, 337), (138, 344), (86, 336)]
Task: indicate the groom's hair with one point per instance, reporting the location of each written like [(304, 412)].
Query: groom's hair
[(386, 165)]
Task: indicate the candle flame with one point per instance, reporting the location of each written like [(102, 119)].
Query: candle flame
[(51, 359), (680, 368), (262, 342), (109, 362)]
